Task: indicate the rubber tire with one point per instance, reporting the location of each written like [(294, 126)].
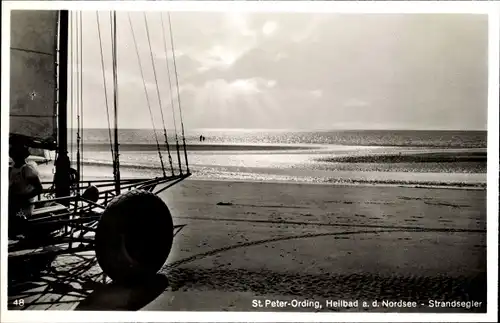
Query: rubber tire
[(134, 237)]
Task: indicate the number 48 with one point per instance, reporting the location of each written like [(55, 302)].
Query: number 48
[(19, 302)]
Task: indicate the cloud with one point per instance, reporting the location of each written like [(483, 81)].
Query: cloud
[(230, 89), (355, 103), (308, 30), (269, 28), (316, 93), (245, 86), (219, 56), (281, 55), (271, 83), (269, 66), (239, 21)]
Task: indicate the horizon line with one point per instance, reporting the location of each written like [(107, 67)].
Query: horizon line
[(289, 129)]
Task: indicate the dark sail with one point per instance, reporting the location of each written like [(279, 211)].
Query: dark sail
[(33, 77)]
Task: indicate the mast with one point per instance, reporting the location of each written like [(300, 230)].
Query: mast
[(115, 98), (61, 177)]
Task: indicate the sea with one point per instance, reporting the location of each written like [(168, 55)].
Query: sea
[(450, 158)]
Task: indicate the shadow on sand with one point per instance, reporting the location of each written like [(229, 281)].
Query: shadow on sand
[(74, 283), (50, 283), (24, 272), (114, 297)]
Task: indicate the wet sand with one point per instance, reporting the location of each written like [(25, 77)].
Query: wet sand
[(248, 241), (267, 241)]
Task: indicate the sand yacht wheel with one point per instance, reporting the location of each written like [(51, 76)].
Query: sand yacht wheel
[(134, 236)]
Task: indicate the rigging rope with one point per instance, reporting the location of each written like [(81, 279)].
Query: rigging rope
[(178, 93), (71, 85), (146, 91), (81, 85), (77, 61), (159, 97), (171, 94), (112, 17), (105, 87)]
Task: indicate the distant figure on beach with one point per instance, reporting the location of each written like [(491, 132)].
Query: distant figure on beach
[(24, 186), (202, 138)]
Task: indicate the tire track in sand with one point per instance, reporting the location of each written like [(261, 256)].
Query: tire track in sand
[(264, 241)]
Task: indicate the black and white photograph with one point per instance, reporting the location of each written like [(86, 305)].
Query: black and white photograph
[(247, 160)]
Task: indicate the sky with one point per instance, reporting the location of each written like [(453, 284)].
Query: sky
[(292, 70)]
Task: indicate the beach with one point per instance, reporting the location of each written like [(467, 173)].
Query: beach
[(249, 241), (336, 221), (315, 242)]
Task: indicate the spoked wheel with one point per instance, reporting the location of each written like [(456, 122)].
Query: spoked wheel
[(134, 236)]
